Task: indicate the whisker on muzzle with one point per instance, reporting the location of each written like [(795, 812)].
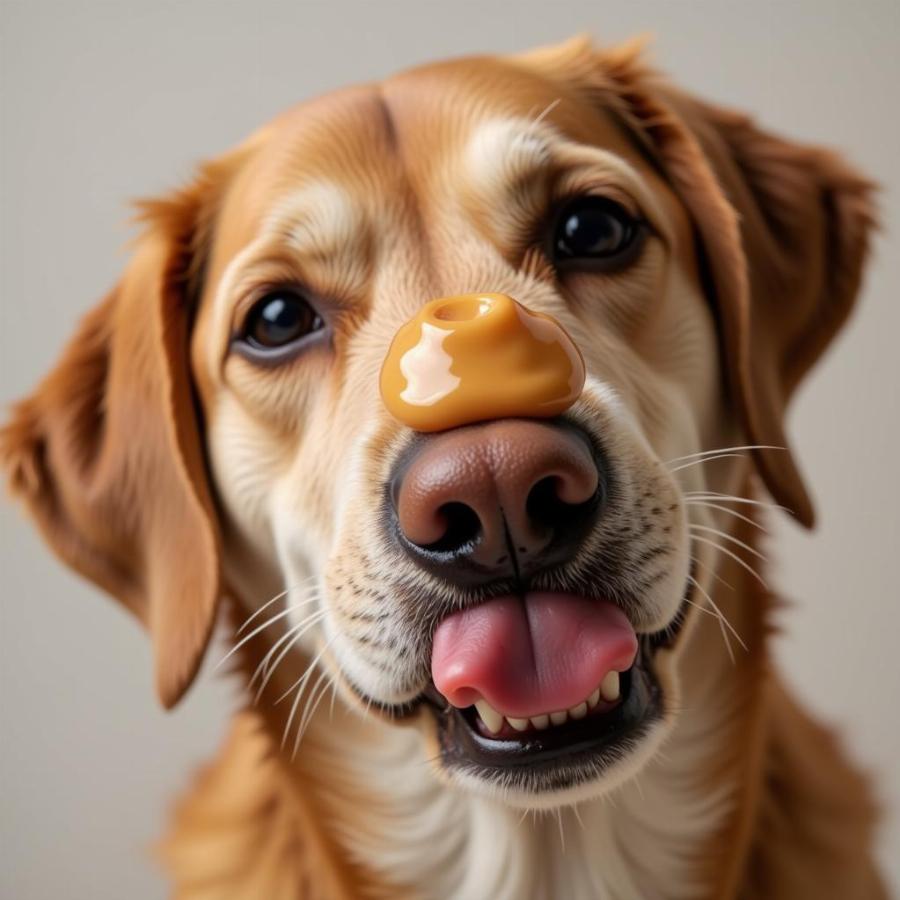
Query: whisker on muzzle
[(263, 627), (728, 537), (299, 685), (731, 512), (312, 704), (291, 637), (275, 599), (707, 567), (705, 453), (723, 619), (708, 459), (740, 561), (733, 498)]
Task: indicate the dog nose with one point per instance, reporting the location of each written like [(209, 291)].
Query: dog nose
[(500, 499), (476, 357)]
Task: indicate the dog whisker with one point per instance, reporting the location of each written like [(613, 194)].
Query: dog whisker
[(267, 668), (723, 619), (306, 673), (368, 708), (640, 787), (731, 512), (293, 636), (261, 609), (701, 608), (578, 817), (733, 498), (547, 110), (263, 667), (708, 459), (703, 453), (733, 555), (275, 599), (334, 691), (312, 703), (263, 627), (712, 571), (728, 537), (299, 686)]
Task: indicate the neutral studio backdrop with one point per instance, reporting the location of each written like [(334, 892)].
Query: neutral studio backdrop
[(105, 101)]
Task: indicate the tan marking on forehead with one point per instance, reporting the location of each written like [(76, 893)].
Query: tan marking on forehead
[(501, 152), (513, 165), (343, 139), (317, 220)]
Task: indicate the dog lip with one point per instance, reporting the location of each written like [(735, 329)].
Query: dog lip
[(564, 756), (561, 756), (594, 741)]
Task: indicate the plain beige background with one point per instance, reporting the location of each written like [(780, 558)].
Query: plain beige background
[(106, 101)]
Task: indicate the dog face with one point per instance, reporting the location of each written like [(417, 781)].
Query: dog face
[(517, 589)]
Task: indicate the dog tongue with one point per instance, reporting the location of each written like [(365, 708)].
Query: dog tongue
[(531, 655)]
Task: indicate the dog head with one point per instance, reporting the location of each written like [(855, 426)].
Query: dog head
[(515, 587)]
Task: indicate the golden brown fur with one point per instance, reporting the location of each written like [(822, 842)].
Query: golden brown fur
[(175, 475)]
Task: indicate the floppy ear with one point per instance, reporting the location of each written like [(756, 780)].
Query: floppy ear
[(804, 219), (106, 453), (784, 231)]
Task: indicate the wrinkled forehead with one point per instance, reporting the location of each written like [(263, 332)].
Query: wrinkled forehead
[(330, 165)]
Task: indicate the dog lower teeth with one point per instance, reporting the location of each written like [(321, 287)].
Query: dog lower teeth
[(608, 690)]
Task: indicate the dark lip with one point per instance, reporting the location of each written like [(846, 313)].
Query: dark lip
[(553, 759), (563, 756)]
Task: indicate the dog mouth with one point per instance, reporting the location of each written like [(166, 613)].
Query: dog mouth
[(543, 691)]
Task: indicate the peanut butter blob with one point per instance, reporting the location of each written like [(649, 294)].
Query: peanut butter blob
[(474, 357)]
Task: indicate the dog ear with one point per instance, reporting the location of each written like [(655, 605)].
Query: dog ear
[(107, 456), (804, 219), (784, 229)]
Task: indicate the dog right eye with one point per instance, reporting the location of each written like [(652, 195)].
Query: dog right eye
[(279, 319)]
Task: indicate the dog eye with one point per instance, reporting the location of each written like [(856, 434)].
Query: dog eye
[(595, 231), (278, 319)]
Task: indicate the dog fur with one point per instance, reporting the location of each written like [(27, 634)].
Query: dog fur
[(190, 484)]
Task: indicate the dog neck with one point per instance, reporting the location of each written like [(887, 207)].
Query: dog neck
[(670, 830)]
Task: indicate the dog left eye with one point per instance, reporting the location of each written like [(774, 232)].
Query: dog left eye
[(596, 231), (280, 318)]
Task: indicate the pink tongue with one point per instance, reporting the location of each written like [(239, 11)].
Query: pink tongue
[(529, 656)]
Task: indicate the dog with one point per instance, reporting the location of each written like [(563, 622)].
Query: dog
[(522, 657)]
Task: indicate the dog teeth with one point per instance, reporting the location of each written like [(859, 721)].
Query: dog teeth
[(609, 690), (609, 687), (578, 712), (491, 718)]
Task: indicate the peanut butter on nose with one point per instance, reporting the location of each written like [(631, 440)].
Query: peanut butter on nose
[(475, 357)]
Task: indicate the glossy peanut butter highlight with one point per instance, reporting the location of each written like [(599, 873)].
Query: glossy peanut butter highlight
[(475, 357)]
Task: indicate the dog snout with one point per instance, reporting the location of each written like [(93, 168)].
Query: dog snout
[(497, 500)]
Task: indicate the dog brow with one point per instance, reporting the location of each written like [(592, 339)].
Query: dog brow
[(503, 153), (503, 161), (317, 220), (324, 229)]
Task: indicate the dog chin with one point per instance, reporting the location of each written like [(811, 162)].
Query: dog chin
[(533, 795)]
